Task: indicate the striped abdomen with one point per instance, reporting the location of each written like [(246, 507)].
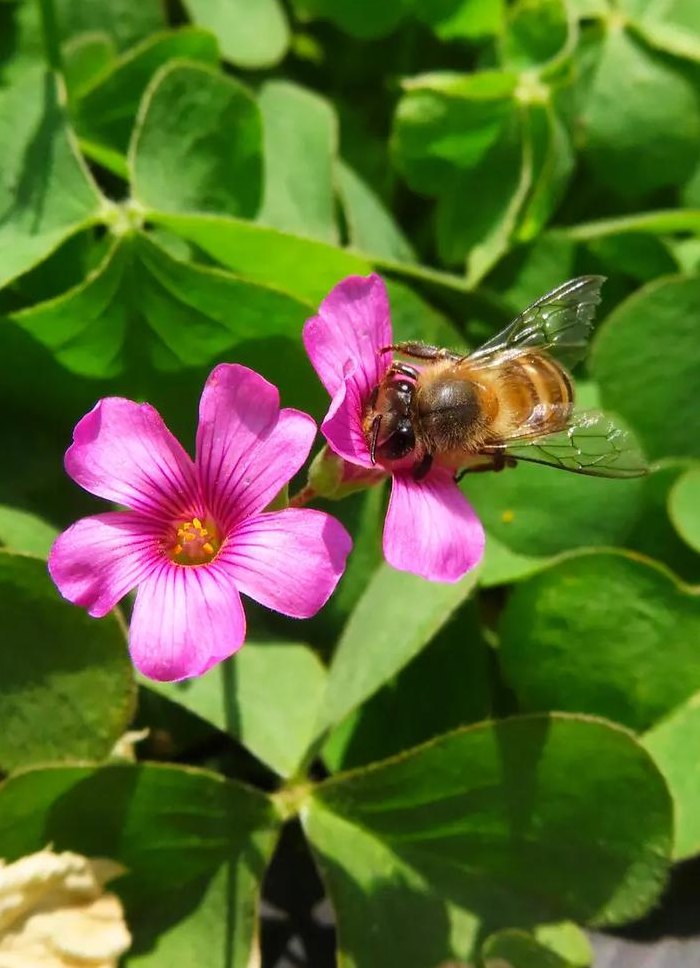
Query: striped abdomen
[(535, 396)]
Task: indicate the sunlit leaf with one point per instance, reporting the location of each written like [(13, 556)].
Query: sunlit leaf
[(673, 743), (361, 18), (25, 532), (46, 193), (267, 698), (212, 165), (555, 946), (251, 33), (461, 19), (300, 147), (684, 507), (105, 112), (447, 122), (371, 227)]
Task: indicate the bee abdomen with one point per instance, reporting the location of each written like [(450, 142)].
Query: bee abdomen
[(537, 394)]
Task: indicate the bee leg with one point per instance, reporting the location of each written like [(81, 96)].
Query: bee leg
[(421, 351), (498, 462), (422, 467)]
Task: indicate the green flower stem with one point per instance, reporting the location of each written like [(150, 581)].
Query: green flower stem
[(52, 38)]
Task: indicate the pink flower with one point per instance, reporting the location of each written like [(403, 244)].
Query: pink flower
[(195, 534), (430, 528)]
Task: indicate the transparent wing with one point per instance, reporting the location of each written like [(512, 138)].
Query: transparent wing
[(560, 322), (592, 444)]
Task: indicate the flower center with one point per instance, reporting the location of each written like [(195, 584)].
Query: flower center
[(193, 543)]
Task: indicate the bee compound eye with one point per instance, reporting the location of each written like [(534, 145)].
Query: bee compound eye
[(403, 386), (401, 442), (404, 429)]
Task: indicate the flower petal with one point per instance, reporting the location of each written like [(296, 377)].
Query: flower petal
[(288, 560), (122, 451), (185, 620), (342, 426), (247, 448), (99, 559), (352, 325), (431, 529)]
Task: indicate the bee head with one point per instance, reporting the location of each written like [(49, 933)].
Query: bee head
[(389, 428)]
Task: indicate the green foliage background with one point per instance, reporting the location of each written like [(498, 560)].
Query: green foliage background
[(181, 185)]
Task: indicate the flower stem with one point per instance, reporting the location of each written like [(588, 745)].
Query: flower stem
[(302, 497), (52, 38)]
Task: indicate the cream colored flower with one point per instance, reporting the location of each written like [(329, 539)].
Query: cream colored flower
[(54, 913)]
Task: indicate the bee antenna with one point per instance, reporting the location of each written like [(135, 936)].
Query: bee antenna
[(376, 423)]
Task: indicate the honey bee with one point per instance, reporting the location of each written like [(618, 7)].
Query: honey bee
[(510, 400)]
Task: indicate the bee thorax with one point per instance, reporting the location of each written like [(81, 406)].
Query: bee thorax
[(448, 411)]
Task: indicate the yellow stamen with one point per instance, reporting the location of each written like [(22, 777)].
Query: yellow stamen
[(193, 544), (508, 517)]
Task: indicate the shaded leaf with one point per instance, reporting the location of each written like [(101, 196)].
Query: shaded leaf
[(536, 31), (657, 119), (184, 314), (85, 58), (642, 257), (423, 853), (537, 510), (413, 318), (607, 633), (377, 640), (478, 210), (124, 21), (59, 666), (552, 165), (654, 533), (645, 360), (195, 847), (446, 685)]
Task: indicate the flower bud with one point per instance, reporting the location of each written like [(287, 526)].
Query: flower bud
[(334, 478)]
